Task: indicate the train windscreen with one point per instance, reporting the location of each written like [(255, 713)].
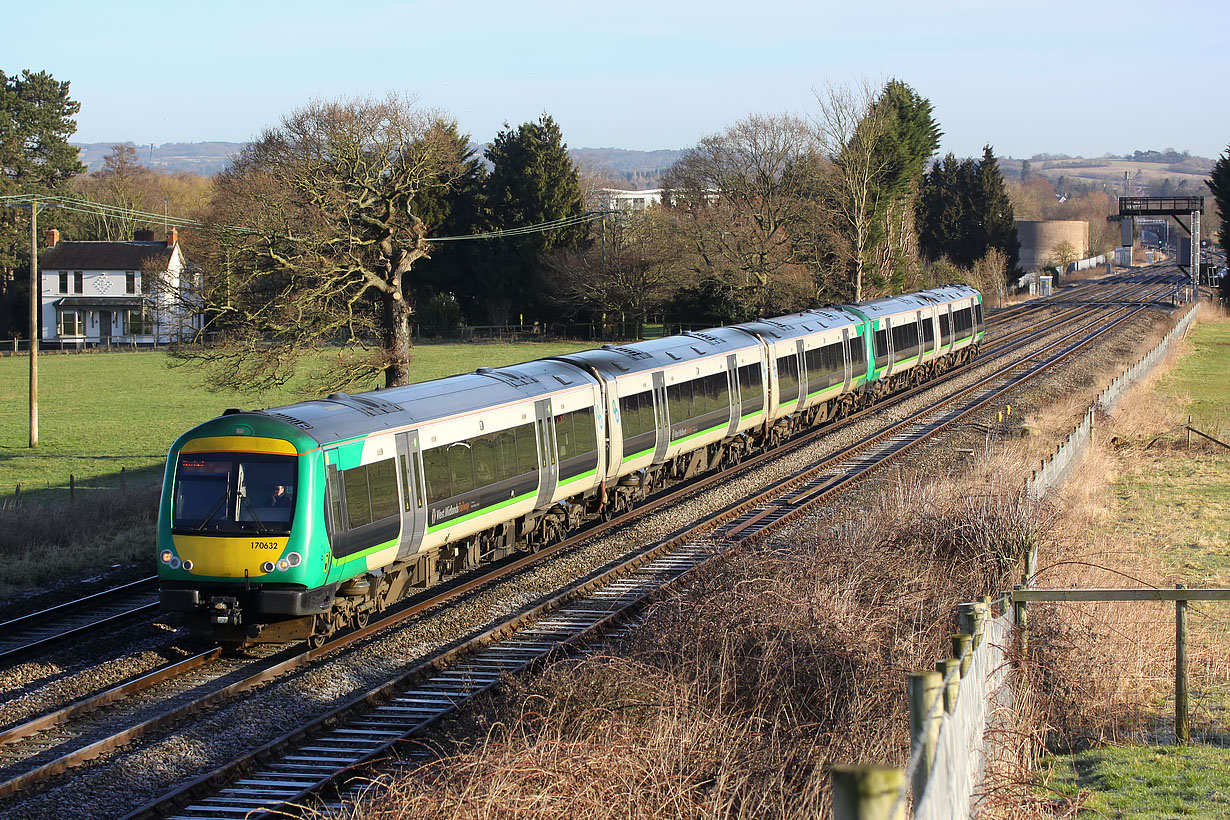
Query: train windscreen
[(234, 493)]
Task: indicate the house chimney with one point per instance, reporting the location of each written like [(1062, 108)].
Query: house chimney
[(144, 235), (53, 236), (172, 237)]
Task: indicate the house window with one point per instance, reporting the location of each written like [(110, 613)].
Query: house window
[(130, 281), (63, 281), (72, 323), (78, 281), (138, 324)]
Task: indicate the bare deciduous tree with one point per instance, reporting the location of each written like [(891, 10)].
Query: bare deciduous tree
[(737, 198), (311, 237)]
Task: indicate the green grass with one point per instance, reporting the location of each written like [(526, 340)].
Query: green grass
[(102, 412), (1177, 505), (1146, 783), (1202, 380)]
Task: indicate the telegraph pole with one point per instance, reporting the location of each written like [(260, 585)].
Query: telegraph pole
[(35, 293)]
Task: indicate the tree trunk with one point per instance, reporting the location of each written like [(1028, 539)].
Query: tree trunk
[(396, 338)]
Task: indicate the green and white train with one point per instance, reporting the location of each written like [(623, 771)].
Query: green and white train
[(293, 522)]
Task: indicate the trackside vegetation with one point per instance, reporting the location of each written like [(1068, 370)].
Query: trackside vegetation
[(1167, 510)]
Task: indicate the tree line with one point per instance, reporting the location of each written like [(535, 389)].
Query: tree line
[(353, 220)]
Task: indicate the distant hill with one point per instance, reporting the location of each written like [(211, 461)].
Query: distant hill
[(632, 169), (204, 158), (1150, 173)]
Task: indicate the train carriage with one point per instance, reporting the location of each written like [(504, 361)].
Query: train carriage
[(363, 496), (293, 522)]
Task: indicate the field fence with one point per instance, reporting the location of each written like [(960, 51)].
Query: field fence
[(1051, 472)]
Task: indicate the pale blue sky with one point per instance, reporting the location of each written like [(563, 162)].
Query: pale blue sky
[(1062, 77)]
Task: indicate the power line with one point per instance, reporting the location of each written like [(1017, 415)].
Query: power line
[(86, 206)]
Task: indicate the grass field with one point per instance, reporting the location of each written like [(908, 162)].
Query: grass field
[(102, 412), (1172, 506)]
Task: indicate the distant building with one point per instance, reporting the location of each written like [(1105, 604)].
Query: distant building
[(616, 199), (100, 293), (1040, 238)]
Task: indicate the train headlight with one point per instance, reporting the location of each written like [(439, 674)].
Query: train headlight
[(173, 563), (283, 565), (166, 556), (267, 566), (294, 559)]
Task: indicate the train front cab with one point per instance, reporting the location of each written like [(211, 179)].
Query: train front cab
[(237, 530)]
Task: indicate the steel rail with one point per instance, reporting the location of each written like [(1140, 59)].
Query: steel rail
[(332, 745), (30, 632), (439, 596)]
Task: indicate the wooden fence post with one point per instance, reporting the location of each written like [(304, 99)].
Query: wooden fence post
[(946, 667), (72, 488), (1182, 723), (123, 482), (971, 617), (867, 793), (924, 693), (963, 650), (1020, 617)]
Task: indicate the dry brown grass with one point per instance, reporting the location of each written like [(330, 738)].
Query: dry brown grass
[(43, 541), (737, 695)]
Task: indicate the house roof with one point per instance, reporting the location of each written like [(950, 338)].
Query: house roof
[(107, 255)]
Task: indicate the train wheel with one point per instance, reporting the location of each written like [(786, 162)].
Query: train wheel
[(362, 618)]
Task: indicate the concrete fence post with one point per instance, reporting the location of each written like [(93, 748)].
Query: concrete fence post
[(867, 792)]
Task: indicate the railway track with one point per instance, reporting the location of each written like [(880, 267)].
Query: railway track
[(32, 758), (65, 623), (73, 620), (297, 766)]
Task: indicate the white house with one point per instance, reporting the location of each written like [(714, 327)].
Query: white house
[(114, 292), (616, 199)]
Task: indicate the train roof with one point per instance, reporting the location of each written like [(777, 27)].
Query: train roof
[(613, 361), (801, 324), (345, 415)]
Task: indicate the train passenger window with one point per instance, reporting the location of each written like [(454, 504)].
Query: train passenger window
[(527, 449), (436, 475), (928, 327), (788, 378), (750, 388), (506, 454), (358, 503), (881, 348), (461, 467), (565, 440), (382, 484), (858, 355), (486, 468), (978, 314), (962, 321), (679, 402), (584, 431), (945, 329)]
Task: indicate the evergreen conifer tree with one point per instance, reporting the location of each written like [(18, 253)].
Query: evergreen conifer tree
[(1219, 184)]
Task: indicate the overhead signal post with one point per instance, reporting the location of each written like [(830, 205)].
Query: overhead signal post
[(1171, 206)]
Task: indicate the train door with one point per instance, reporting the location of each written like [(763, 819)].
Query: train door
[(888, 347), (413, 493), (845, 355), (548, 464), (664, 424), (732, 379), (798, 352)]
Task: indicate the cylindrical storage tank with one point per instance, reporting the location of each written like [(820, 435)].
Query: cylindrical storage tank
[(1040, 238)]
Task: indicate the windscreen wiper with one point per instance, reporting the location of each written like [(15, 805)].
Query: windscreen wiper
[(260, 525), (210, 514)]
